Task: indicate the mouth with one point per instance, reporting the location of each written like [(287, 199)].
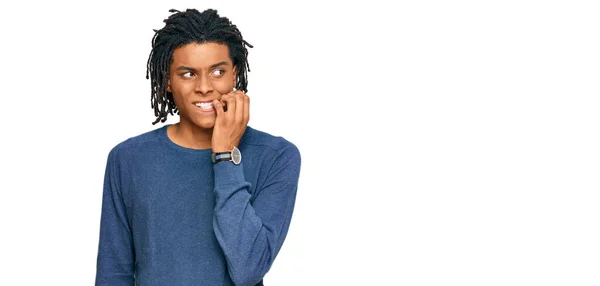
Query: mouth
[(204, 106), (207, 106)]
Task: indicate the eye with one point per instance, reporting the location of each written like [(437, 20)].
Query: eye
[(218, 72), (187, 74)]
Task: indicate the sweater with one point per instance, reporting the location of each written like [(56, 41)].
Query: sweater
[(172, 217)]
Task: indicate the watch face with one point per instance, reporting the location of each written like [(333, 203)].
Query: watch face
[(236, 155)]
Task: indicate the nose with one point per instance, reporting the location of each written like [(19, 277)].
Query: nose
[(204, 85)]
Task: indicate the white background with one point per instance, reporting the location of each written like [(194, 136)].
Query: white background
[(443, 142)]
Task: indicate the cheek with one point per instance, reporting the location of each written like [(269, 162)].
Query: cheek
[(224, 86), (182, 87), (180, 91)]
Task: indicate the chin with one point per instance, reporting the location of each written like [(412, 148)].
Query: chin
[(206, 124), (204, 121)]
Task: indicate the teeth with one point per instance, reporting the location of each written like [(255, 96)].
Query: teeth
[(204, 105)]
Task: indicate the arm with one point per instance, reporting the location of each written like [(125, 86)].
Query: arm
[(252, 233), (116, 260)]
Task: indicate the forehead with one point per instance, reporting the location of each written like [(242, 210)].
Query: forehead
[(201, 55)]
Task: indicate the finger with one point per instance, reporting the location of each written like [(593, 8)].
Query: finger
[(239, 111), (218, 106), (229, 100), (246, 109)]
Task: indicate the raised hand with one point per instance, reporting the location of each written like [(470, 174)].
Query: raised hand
[(230, 125)]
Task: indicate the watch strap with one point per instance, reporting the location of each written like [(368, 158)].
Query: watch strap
[(234, 156), (221, 157)]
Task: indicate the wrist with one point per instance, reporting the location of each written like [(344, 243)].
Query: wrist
[(233, 155), (222, 148)]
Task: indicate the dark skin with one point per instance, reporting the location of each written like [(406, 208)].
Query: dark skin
[(205, 73)]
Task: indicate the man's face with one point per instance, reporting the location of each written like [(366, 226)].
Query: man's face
[(200, 73)]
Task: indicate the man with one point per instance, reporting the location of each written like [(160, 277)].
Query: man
[(181, 206)]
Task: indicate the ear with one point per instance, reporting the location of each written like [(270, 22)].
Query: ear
[(169, 85), (234, 75)]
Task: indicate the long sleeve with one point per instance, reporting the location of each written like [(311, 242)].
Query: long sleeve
[(251, 233), (116, 259)]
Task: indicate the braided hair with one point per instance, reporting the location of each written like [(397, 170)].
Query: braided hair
[(181, 29)]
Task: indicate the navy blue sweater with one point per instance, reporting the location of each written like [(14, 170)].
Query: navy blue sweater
[(172, 217)]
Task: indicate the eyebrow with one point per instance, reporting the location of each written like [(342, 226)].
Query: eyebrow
[(193, 69)]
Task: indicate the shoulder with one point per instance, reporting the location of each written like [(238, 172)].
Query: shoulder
[(269, 143), (137, 143)]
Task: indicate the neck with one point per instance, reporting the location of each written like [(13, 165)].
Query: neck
[(190, 136)]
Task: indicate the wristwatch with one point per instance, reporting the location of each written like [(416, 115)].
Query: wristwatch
[(234, 156)]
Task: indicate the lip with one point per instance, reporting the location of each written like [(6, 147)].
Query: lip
[(202, 101), (203, 110)]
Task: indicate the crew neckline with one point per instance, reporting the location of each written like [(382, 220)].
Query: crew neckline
[(168, 141)]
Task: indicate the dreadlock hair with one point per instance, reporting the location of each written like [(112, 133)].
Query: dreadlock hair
[(181, 29)]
